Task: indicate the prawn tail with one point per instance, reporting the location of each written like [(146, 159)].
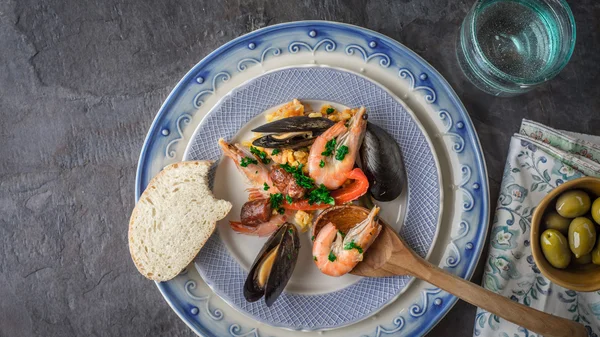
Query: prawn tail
[(254, 194), (264, 229), (227, 148), (238, 227), (373, 213)]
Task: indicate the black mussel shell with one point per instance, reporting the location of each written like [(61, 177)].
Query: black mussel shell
[(295, 142), (294, 124), (381, 161), (284, 265), (286, 238)]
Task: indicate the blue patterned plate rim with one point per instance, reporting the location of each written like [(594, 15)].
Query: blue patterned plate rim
[(471, 136), (226, 97)]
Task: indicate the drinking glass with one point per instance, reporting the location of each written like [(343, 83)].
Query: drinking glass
[(507, 47)]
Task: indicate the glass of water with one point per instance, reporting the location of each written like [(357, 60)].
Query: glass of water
[(507, 47)]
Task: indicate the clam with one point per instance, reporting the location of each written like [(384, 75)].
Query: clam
[(291, 132), (273, 265), (382, 164), (344, 217)]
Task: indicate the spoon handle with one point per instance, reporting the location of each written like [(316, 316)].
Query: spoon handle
[(529, 318)]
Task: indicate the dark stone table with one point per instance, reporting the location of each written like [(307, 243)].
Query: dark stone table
[(81, 82)]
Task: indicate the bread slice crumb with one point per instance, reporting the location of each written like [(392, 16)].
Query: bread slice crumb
[(173, 219)]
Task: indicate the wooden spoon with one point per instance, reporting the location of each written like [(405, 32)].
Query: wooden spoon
[(389, 256)]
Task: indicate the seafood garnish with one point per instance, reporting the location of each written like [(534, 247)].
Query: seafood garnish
[(336, 253), (292, 132), (273, 266), (256, 172), (305, 161), (381, 162), (333, 154), (262, 229), (295, 124)]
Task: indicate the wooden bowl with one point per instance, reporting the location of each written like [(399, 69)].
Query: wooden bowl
[(579, 278)]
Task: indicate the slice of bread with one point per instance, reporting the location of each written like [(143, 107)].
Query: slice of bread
[(173, 219)]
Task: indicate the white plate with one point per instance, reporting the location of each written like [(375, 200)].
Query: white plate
[(464, 180), (312, 296)]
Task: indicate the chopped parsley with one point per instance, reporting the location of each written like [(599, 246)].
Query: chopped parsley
[(312, 238), (247, 161), (266, 187), (320, 196), (330, 110), (276, 151), (315, 258), (342, 151), (301, 179), (342, 233), (304, 181), (331, 257), (289, 199), (288, 168), (322, 164), (291, 231), (260, 154), (329, 148), (276, 200), (289, 256), (280, 210), (352, 245)]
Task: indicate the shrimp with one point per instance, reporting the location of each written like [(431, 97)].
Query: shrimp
[(263, 229), (334, 172), (257, 174), (336, 255)]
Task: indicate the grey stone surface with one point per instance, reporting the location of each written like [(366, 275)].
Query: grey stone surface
[(81, 82)]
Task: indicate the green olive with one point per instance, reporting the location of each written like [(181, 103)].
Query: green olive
[(555, 248), (596, 211), (596, 253), (582, 236), (553, 220), (572, 204), (584, 259)]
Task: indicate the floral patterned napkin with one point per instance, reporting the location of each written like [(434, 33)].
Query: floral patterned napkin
[(540, 158)]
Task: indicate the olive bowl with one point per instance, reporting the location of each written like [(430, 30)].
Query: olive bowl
[(578, 278)]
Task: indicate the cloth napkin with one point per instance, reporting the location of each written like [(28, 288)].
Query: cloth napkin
[(540, 158)]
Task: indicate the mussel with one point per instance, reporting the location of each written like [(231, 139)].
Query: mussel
[(381, 161), (291, 132), (273, 266)]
